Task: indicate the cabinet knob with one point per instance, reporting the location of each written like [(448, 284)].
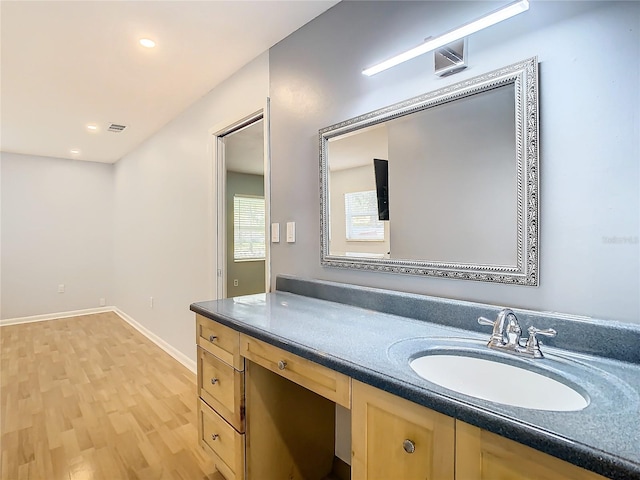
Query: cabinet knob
[(282, 364), (212, 338), (409, 446), (214, 436), (214, 381)]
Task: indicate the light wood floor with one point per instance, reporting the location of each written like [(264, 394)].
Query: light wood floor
[(91, 398)]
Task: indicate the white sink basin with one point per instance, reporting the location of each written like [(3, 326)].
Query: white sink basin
[(498, 382)]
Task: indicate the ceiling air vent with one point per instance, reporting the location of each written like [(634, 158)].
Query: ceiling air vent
[(114, 127)]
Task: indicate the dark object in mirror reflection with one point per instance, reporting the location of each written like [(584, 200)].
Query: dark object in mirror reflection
[(381, 168)]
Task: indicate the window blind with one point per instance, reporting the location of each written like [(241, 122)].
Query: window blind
[(361, 213), (248, 228)]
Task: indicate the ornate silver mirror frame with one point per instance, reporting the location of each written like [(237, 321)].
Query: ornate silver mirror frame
[(523, 76)]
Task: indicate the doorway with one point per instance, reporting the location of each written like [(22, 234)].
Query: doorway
[(242, 206)]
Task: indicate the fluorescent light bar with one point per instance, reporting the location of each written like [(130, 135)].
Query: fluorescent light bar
[(474, 26)]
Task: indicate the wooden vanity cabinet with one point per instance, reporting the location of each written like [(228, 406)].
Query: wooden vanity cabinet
[(291, 405), (395, 438), (439, 447), (221, 407), (482, 455), (289, 431), (264, 412)]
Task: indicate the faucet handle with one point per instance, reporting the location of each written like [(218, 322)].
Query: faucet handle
[(533, 347), (486, 321), (497, 335), (547, 332)]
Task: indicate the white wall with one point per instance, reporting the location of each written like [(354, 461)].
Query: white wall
[(164, 236), (356, 179), (589, 55), (57, 226)]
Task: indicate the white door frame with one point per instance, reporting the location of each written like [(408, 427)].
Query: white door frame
[(219, 193)]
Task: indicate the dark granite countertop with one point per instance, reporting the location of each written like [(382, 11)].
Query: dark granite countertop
[(373, 345)]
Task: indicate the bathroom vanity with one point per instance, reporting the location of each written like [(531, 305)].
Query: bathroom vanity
[(275, 369)]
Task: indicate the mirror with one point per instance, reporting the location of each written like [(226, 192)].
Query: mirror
[(444, 184)]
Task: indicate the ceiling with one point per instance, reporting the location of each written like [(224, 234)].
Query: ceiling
[(359, 148), (244, 149), (69, 64)]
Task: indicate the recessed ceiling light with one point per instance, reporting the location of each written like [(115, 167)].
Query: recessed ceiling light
[(92, 128), (75, 151), (147, 42)]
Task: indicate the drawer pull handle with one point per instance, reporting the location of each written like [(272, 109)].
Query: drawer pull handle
[(214, 381), (409, 446), (212, 338), (282, 364), (214, 436)]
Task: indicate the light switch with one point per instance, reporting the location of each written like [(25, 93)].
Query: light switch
[(275, 233), (291, 232)]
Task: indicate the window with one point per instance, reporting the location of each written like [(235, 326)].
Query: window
[(361, 212), (248, 228)]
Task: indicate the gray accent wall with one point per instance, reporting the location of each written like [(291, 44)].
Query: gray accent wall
[(250, 274), (589, 137)]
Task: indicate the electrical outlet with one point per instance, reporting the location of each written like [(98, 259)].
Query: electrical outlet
[(150, 302), (61, 288), (102, 302), (235, 282)]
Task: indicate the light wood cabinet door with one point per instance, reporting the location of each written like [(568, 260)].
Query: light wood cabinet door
[(393, 438), (481, 455)]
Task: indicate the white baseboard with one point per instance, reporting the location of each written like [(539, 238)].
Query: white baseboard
[(178, 355), (54, 316)]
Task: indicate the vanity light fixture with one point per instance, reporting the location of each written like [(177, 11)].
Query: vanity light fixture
[(451, 58), (430, 44)]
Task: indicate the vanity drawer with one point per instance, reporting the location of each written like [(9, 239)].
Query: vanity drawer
[(222, 441), (321, 380), (222, 387), (219, 340)]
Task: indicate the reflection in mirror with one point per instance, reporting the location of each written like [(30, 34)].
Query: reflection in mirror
[(444, 184)]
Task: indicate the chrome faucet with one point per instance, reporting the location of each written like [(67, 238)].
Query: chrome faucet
[(507, 331), (499, 336)]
